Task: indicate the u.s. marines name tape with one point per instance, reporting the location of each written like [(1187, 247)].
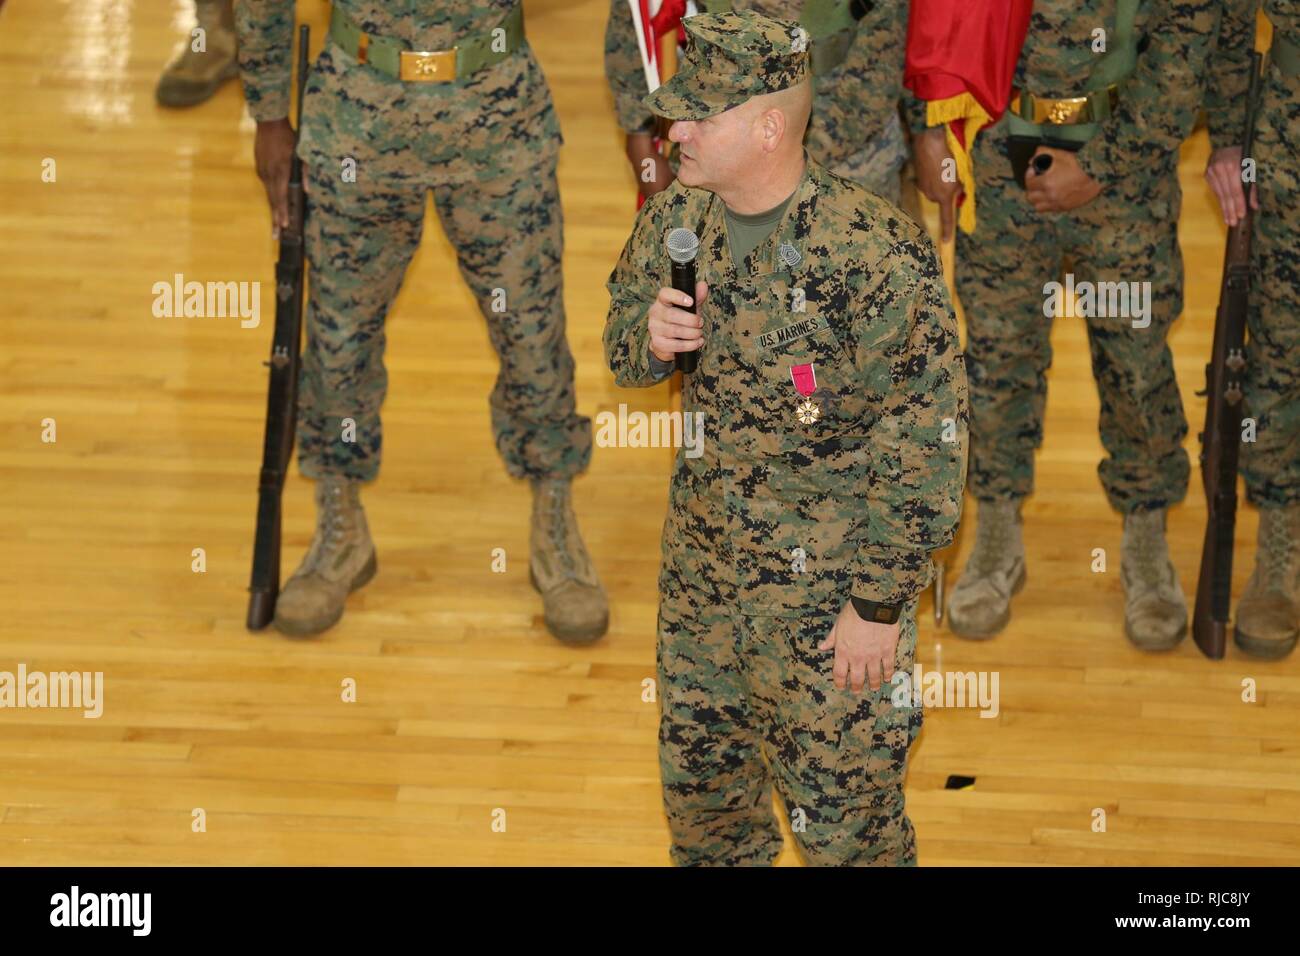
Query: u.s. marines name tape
[(798, 330)]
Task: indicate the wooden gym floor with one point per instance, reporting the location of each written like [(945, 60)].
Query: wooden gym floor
[(464, 704)]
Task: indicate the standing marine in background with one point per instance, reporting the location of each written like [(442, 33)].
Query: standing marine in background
[(408, 99), (1107, 90), (1268, 613)]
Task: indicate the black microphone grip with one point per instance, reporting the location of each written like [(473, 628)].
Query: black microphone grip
[(684, 281)]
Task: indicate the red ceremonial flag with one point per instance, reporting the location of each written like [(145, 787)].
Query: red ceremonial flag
[(961, 58)]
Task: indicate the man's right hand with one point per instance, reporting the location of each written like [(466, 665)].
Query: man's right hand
[(646, 162), (672, 328), (929, 151), (273, 152)]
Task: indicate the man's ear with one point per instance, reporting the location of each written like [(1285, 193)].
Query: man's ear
[(774, 126)]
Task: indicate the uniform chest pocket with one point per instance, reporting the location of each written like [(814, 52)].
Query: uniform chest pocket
[(790, 343)]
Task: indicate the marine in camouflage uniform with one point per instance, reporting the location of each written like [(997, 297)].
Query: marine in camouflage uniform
[(855, 131), (781, 519), (1268, 614), (381, 129), (1127, 233)]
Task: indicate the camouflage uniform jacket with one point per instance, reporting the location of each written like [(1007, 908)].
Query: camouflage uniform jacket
[(501, 117), (871, 487), (853, 103)]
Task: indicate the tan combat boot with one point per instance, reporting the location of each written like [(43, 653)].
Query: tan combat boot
[(194, 77), (576, 610), (980, 605), (1155, 609), (340, 560), (1268, 614)]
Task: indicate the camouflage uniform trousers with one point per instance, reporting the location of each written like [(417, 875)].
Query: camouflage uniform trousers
[(747, 701), (1271, 464), (507, 232), (1129, 233)]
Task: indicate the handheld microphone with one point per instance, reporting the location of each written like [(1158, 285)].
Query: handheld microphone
[(682, 248)]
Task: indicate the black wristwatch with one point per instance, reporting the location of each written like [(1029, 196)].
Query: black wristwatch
[(876, 612)]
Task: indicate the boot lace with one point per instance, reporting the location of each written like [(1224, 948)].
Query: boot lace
[(554, 502), (1150, 559), (335, 516), (332, 528), (1277, 565), (993, 542)]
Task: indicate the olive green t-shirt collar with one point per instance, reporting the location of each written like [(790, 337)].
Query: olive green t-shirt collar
[(746, 231), (790, 229)]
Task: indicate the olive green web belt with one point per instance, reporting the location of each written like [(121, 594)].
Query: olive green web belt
[(394, 59), (1074, 119)]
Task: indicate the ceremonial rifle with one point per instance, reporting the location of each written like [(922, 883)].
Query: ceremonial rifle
[(1221, 439), (282, 392)]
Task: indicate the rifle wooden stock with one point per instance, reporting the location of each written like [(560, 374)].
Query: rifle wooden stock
[(1221, 439), (282, 391)]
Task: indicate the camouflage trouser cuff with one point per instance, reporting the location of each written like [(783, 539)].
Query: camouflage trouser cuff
[(563, 471), (559, 449), (1271, 496), (314, 469)]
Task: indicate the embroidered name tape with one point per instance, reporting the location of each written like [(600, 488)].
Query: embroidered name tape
[(809, 326)]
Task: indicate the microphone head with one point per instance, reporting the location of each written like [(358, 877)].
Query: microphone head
[(682, 245)]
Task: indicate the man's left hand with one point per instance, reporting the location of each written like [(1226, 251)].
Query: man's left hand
[(1063, 187), (1223, 172), (862, 649)]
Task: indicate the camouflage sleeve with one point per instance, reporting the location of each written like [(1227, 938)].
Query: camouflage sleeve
[(855, 105), (1158, 102), (918, 445), (632, 288), (1228, 77), (623, 69), (914, 110), (913, 107), (265, 30)]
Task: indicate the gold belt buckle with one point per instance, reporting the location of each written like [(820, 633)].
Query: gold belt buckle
[(1060, 112), (428, 66)]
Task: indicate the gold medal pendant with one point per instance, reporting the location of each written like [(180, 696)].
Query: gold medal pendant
[(808, 412)]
